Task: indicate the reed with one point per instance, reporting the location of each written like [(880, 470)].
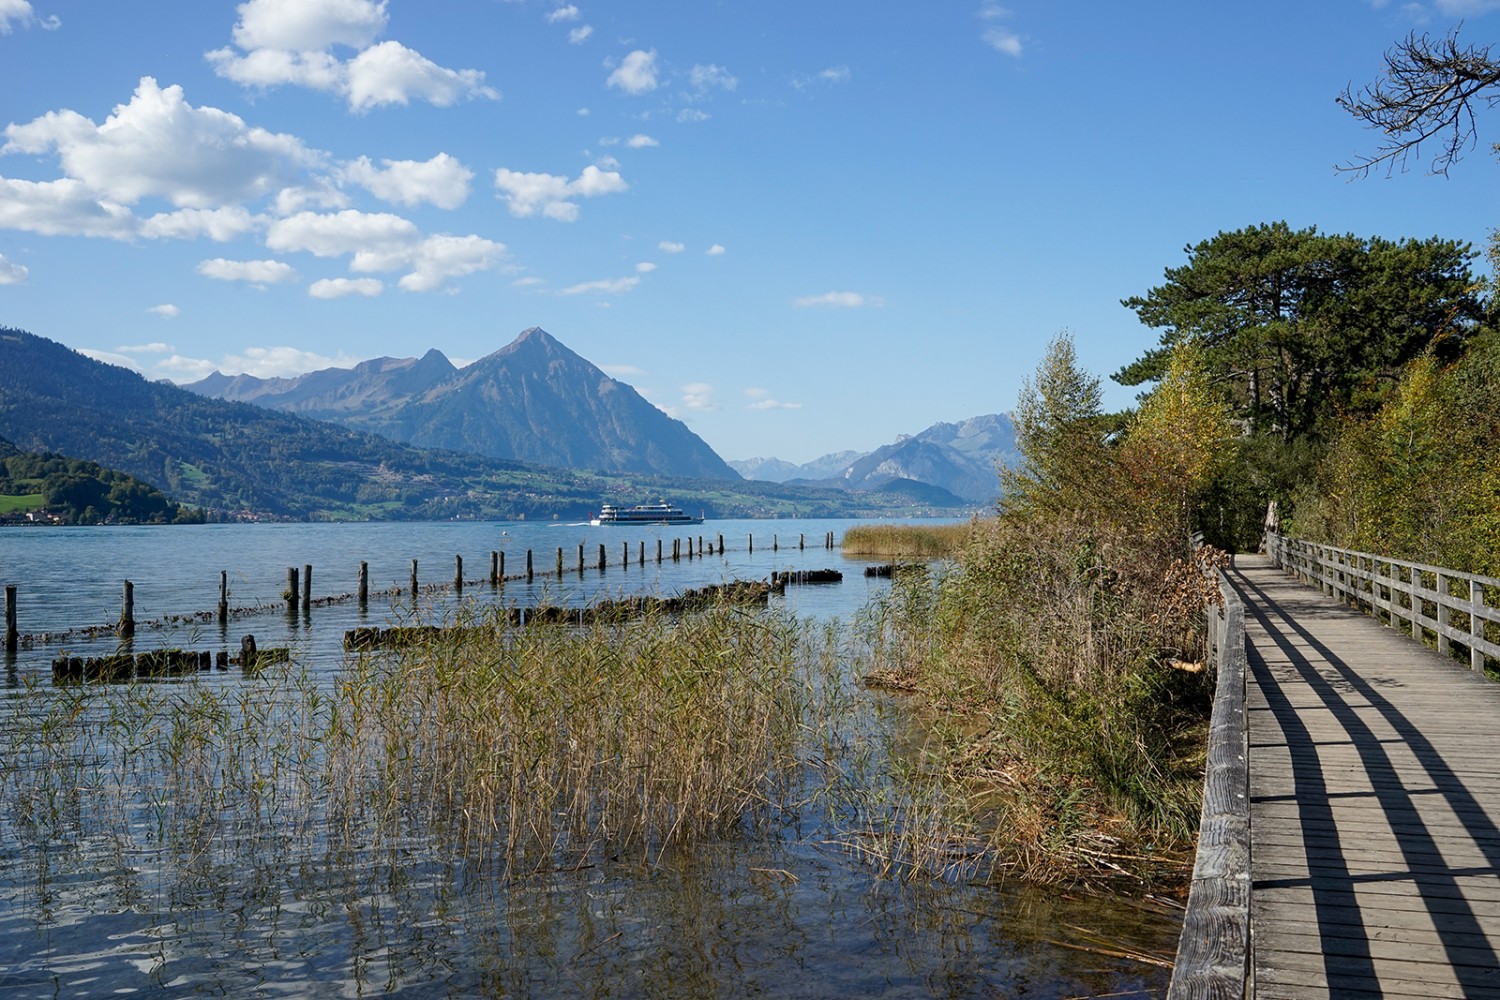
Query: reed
[(906, 541)]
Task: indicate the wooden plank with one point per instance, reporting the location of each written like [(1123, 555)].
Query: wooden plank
[(1375, 800)]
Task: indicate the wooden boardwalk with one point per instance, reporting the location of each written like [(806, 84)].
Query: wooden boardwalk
[(1375, 804)]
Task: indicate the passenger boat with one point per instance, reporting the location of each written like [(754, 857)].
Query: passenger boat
[(646, 513)]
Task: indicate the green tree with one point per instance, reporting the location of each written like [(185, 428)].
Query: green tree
[(1296, 326), (1056, 419)]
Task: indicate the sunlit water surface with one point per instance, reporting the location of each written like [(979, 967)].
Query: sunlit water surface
[(103, 896)]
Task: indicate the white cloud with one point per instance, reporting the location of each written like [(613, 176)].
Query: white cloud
[(308, 25), (622, 371), (160, 146), (667, 246), (840, 300), (772, 404), (19, 14), (442, 257), (580, 34), (645, 267), (707, 77), (1466, 8), (529, 193), (256, 272), (289, 42), (636, 74), (274, 362), (996, 35), (370, 236), (693, 115), (835, 74), (443, 181), (606, 286), (641, 141), (111, 358), (698, 396), (218, 224), (568, 12), (337, 288), (12, 273), (61, 208), (717, 250), (155, 347), (166, 311), (391, 73)]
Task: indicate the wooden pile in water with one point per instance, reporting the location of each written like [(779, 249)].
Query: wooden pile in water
[(780, 580), (734, 592), (158, 663)]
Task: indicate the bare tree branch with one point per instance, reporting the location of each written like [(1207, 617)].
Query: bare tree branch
[(1429, 90)]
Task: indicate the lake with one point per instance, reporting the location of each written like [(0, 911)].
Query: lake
[(96, 900)]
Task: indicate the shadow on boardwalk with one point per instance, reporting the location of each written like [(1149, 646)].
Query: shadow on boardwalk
[(1375, 796)]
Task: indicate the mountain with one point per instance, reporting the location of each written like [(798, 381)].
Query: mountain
[(956, 458), (244, 461), (774, 470), (531, 401)]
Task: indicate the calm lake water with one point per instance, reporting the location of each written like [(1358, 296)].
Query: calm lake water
[(116, 910)]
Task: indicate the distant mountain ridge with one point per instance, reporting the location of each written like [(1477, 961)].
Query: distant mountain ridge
[(961, 458), (533, 400)]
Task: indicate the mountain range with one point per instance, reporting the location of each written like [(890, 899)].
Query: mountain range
[(533, 401), (244, 461), (958, 457)]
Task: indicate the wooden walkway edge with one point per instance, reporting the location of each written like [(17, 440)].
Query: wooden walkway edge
[(1375, 804)]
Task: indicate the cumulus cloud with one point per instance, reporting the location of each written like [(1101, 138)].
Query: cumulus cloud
[(997, 35), (708, 77), (439, 258), (166, 311), (12, 273), (698, 396), (645, 267), (580, 34), (691, 115), (256, 272), (442, 181), (567, 12), (667, 246), (761, 399), (337, 288), (19, 14), (840, 300), (636, 73), (218, 224), (61, 208), (529, 193), (369, 236), (160, 146), (717, 250), (280, 362), (606, 286), (641, 141), (156, 346), (290, 42)]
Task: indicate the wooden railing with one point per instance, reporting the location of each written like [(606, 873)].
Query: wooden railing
[(1214, 951), (1429, 603)]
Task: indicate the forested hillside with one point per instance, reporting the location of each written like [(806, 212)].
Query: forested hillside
[(73, 491)]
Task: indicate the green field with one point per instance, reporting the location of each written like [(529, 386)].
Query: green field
[(12, 504)]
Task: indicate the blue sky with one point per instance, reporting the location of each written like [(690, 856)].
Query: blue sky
[(800, 227)]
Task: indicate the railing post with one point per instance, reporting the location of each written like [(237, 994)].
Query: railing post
[(1476, 626), (1443, 645)]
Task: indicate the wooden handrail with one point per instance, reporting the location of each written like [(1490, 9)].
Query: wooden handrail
[(1414, 598), (1214, 951)]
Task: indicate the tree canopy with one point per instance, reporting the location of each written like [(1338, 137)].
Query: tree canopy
[(1295, 325)]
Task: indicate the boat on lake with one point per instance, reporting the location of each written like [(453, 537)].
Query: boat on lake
[(645, 513)]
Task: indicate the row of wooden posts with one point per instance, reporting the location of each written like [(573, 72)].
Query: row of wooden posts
[(299, 586)]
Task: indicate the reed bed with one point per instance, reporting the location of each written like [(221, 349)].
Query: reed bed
[(906, 541)]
